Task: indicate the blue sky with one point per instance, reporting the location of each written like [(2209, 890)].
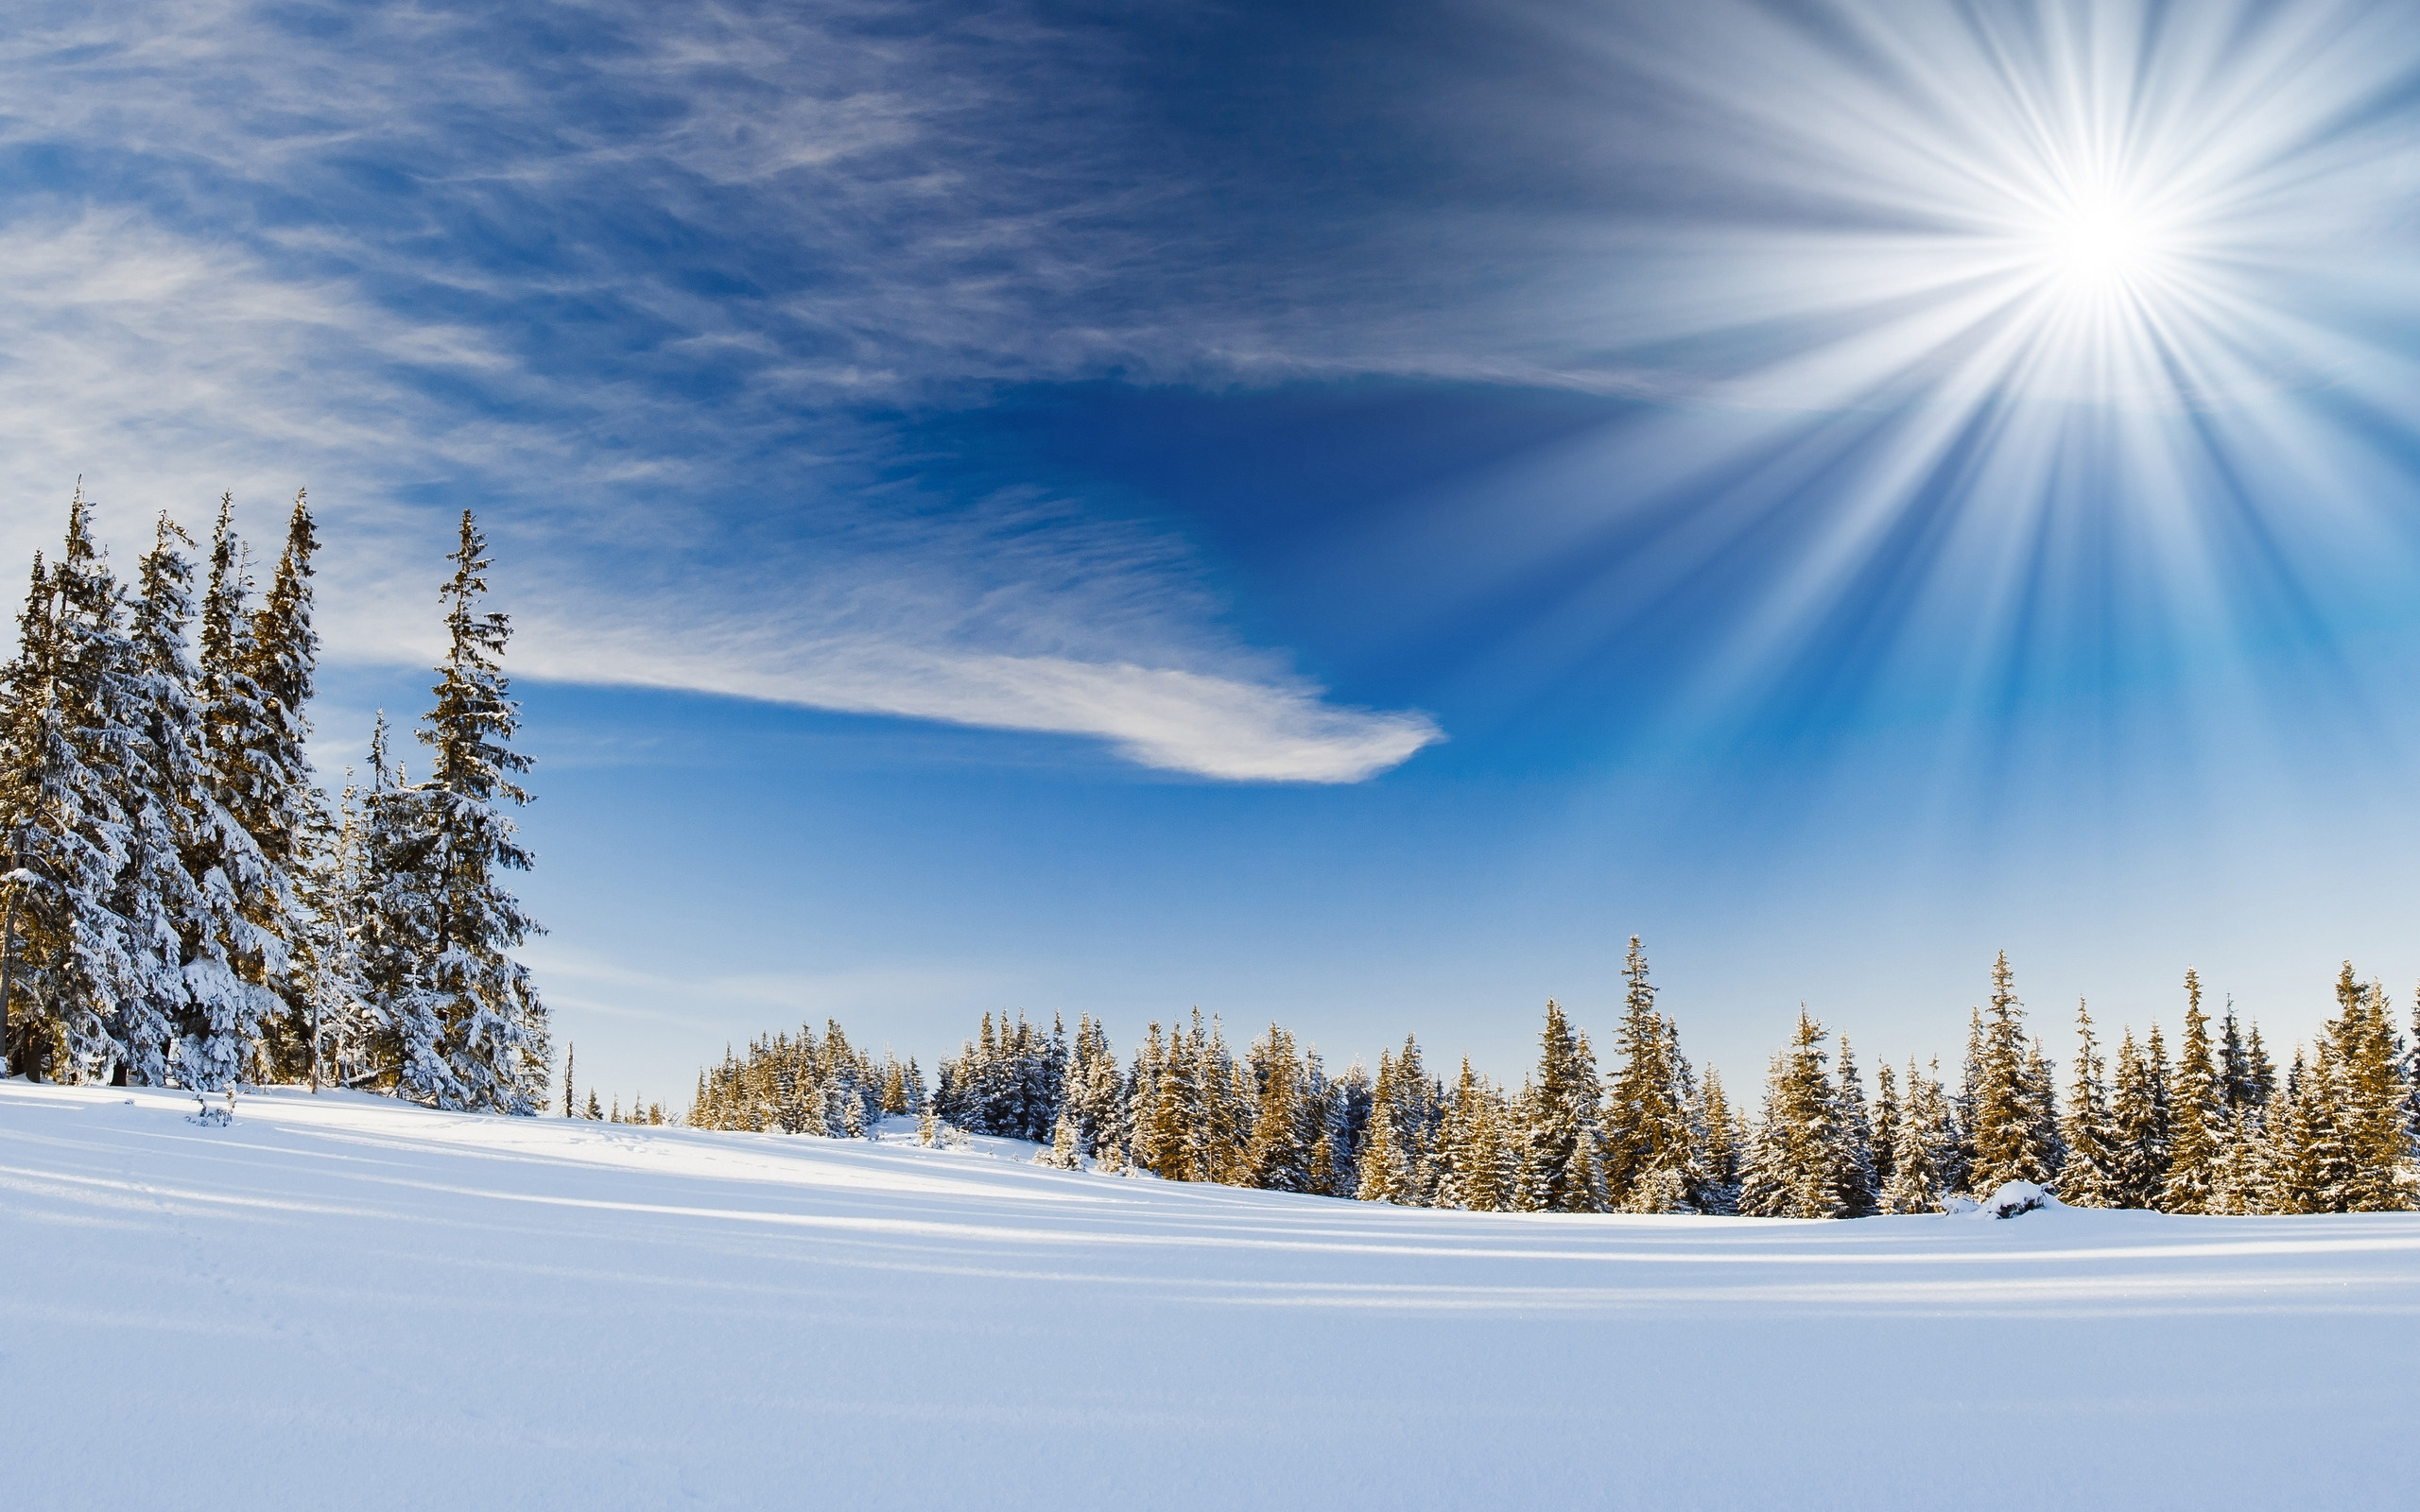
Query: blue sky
[(1342, 513)]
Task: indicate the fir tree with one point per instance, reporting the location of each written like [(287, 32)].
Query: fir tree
[(1917, 1182), (1646, 1115), (67, 746), (1279, 1158), (1861, 1189), (2089, 1179), (2139, 1155), (1886, 1123), (2011, 1126), (2197, 1114), (462, 1023), (1800, 1164), (1561, 1168)]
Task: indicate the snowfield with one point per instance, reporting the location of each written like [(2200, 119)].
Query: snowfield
[(342, 1303)]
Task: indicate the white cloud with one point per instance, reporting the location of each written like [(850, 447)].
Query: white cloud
[(192, 328)]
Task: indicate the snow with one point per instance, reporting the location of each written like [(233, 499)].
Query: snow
[(341, 1301)]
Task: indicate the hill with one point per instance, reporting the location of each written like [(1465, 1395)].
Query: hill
[(344, 1301)]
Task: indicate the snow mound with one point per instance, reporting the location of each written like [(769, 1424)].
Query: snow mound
[(2006, 1201)]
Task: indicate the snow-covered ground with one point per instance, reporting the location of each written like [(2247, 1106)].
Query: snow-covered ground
[(339, 1303)]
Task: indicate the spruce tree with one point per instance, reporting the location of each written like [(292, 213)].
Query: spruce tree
[(1916, 1182), (2009, 1120), (464, 1024), (2197, 1114), (281, 660), (1886, 1123), (1561, 1170), (2089, 1179), (2140, 1152), (1279, 1156), (1646, 1116), (67, 748), (1860, 1189), (1798, 1163)]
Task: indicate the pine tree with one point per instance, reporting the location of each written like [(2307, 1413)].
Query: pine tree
[(2089, 1179), (1861, 1189), (1561, 1170), (281, 659), (1646, 1116), (1886, 1123), (1279, 1158), (2197, 1114), (247, 787), (66, 746), (2139, 1153), (2009, 1120), (1916, 1182), (1799, 1166), (463, 1024), (2361, 1082), (1722, 1146)]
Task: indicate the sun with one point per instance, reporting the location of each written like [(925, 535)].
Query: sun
[(2103, 243)]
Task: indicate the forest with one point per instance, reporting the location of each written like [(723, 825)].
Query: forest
[(187, 906), (2217, 1128)]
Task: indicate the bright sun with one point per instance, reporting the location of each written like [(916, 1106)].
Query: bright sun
[(2101, 244)]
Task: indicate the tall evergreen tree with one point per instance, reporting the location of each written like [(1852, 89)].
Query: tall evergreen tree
[(1562, 1169), (288, 819), (2197, 1134), (1646, 1115), (2089, 1179), (1861, 1189), (68, 746), (2009, 1120), (1798, 1166), (2139, 1155), (463, 1023), (1919, 1137)]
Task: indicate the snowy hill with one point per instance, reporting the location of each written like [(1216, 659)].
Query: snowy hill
[(343, 1302)]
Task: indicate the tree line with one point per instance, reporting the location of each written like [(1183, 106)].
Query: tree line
[(2218, 1129), (186, 904)]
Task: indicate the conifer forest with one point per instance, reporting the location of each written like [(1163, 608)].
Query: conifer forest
[(187, 905), (2219, 1128)]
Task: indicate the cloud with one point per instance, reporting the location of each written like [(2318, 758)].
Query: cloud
[(625, 279)]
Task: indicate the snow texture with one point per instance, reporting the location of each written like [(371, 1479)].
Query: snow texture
[(343, 1301)]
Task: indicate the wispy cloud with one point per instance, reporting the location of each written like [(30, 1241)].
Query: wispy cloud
[(626, 279)]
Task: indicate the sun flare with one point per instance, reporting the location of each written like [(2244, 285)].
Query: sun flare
[(2103, 243)]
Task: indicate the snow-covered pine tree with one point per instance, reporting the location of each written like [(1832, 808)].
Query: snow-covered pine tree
[(247, 786), (2361, 1082), (1279, 1156), (2235, 1066), (1860, 1187), (2197, 1114), (67, 744), (2012, 1129), (2297, 1157), (1646, 1118), (287, 815), (463, 1024), (162, 793), (1471, 1165), (1798, 1165), (1886, 1123), (1916, 1183), (2139, 1152), (2089, 1177), (1561, 1170), (1722, 1143)]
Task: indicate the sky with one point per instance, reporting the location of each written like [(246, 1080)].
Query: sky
[(1341, 514)]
